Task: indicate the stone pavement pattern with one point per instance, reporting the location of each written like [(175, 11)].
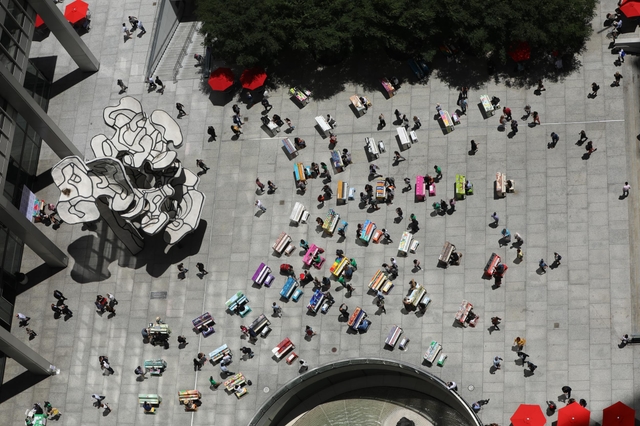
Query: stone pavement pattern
[(571, 317)]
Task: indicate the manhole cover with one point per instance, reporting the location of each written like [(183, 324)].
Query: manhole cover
[(266, 389), (334, 349), (471, 387), (556, 325), (158, 295), (282, 202)]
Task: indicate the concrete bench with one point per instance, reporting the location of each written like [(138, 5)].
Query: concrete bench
[(238, 299), (281, 243), (316, 301), (445, 254), (259, 323), (299, 172), (490, 267), (296, 213), (501, 184), (403, 137), (420, 188), (155, 366), (289, 147), (342, 192), (459, 190), (151, 398), (393, 336), (283, 347), (324, 127), (432, 352), (217, 354), (372, 149), (297, 294), (289, 287), (204, 323), (261, 273)]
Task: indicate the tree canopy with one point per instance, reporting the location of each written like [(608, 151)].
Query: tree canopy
[(267, 32)]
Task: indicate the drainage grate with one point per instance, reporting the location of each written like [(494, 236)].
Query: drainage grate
[(158, 295), (282, 202), (471, 387), (556, 325), (334, 349)]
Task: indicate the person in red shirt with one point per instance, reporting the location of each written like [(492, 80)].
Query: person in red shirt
[(507, 112)]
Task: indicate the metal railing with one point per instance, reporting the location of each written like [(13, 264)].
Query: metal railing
[(183, 52)]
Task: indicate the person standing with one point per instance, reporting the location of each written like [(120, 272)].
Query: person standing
[(543, 266), (556, 258), (272, 187), (261, 206), (107, 366), (134, 23), (260, 185), (438, 170), (416, 122), (495, 218), (507, 112), (182, 271), (514, 126), (625, 190), (64, 309), (416, 264), (290, 124), (621, 55), (201, 269), (382, 123), (308, 331), (141, 27), (123, 88), (126, 32), (181, 111), (277, 310), (139, 371), (496, 362), (536, 118), (383, 310), (304, 366), (463, 105), (159, 83), (265, 103), (152, 84), (405, 121), (474, 146), (540, 86), (519, 254), (212, 132), (566, 390)]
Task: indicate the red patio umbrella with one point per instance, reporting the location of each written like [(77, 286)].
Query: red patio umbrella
[(253, 78), (221, 79), (630, 8), (520, 52), (39, 21), (618, 414), (528, 415), (573, 415), (76, 11)]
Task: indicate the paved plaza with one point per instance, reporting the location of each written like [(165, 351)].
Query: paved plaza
[(572, 316)]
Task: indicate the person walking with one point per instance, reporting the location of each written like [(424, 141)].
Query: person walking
[(382, 123), (416, 122), (203, 166), (532, 367), (398, 115), (201, 269), (56, 310), (260, 185), (566, 390), (265, 103), (308, 331), (212, 132), (397, 157), (64, 309), (594, 90), (140, 372), (405, 121), (133, 21), (543, 266), (621, 55), (23, 319), (272, 187), (159, 83), (277, 310), (514, 126), (556, 259), (536, 118), (106, 366), (182, 341), (247, 351), (152, 84), (589, 147), (373, 171), (507, 113), (123, 87), (380, 303), (496, 362), (540, 86), (523, 356), (519, 254), (126, 32), (386, 236), (527, 111), (416, 264), (495, 321), (32, 334), (304, 366), (625, 190), (464, 105), (617, 77), (142, 30), (495, 218), (98, 399), (474, 146), (181, 111), (438, 171), (261, 206), (182, 271)]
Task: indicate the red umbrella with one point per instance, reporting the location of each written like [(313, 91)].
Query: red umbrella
[(221, 79), (253, 78), (630, 8), (528, 415), (76, 11), (39, 22), (520, 52), (573, 415), (618, 414)]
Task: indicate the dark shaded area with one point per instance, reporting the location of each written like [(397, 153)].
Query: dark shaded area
[(68, 81), (42, 181), (19, 384), (93, 254), (38, 275)]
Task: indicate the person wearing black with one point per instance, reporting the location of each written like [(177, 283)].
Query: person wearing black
[(160, 84)]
